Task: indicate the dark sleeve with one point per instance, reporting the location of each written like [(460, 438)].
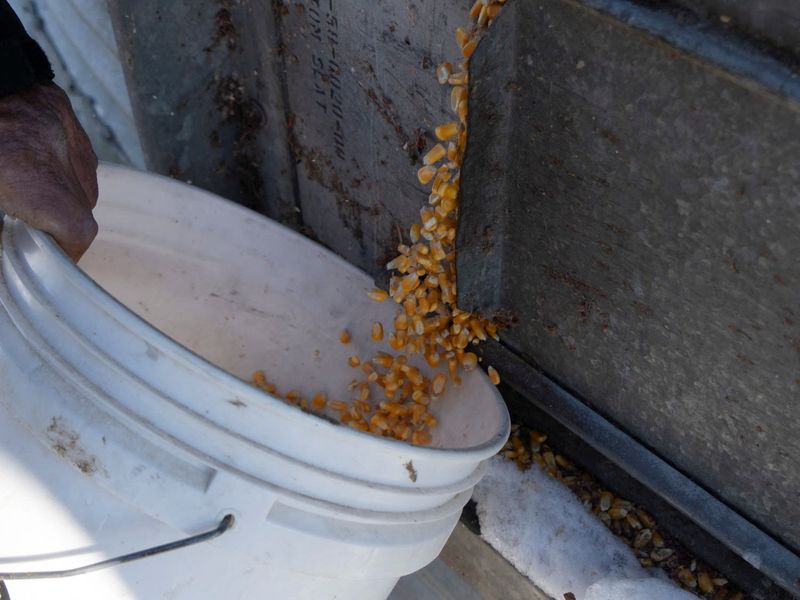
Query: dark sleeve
[(23, 64)]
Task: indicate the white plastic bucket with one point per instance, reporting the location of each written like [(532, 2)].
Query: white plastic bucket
[(115, 435)]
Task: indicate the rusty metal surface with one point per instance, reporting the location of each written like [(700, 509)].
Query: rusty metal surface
[(314, 112), (636, 208), (204, 81)]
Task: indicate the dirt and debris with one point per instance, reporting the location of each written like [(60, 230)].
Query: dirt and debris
[(412, 472), (246, 117), (224, 31), (65, 442)]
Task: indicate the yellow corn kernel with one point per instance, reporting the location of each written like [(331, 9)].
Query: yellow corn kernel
[(410, 306), (462, 37), (421, 438), (420, 397), (383, 360), (418, 412), (401, 322), (435, 154), (419, 324), (338, 405), (438, 384), (377, 332), (452, 152), (410, 282), (449, 204), (443, 72), (483, 16), (494, 376), (360, 425), (344, 336), (259, 379), (458, 94), (379, 421), (476, 9), (468, 48), (271, 388), (392, 408), (319, 401), (378, 295), (363, 392), (414, 233), (293, 396), (469, 360), (477, 327), (450, 192), (426, 173), (394, 342), (452, 367), (402, 431), (494, 9), (461, 110), (362, 406), (458, 78), (447, 131), (354, 361), (433, 359), (461, 340)]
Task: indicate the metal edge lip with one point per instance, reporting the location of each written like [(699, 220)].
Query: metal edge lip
[(198, 364)]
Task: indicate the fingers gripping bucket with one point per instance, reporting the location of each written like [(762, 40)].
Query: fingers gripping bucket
[(125, 423)]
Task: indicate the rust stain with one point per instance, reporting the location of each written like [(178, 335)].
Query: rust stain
[(487, 240), (224, 31), (735, 329), (319, 168), (385, 108), (573, 282), (610, 136), (617, 229), (605, 248)]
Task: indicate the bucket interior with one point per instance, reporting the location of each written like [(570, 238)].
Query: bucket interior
[(247, 294)]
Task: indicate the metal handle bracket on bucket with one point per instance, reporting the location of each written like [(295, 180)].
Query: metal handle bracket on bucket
[(224, 525)]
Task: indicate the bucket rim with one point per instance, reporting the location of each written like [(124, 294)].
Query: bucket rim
[(197, 363)]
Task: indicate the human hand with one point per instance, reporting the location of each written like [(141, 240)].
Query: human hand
[(48, 170)]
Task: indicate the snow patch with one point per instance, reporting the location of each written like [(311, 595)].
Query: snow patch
[(636, 589), (539, 526)]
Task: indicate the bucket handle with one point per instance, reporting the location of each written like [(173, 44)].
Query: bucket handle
[(224, 525)]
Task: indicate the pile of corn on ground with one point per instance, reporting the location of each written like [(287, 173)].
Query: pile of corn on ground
[(391, 395), (631, 523)]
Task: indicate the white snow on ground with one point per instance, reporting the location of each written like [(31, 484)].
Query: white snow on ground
[(546, 533), (636, 589)]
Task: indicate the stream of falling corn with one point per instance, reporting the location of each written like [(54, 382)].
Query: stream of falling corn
[(391, 395)]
